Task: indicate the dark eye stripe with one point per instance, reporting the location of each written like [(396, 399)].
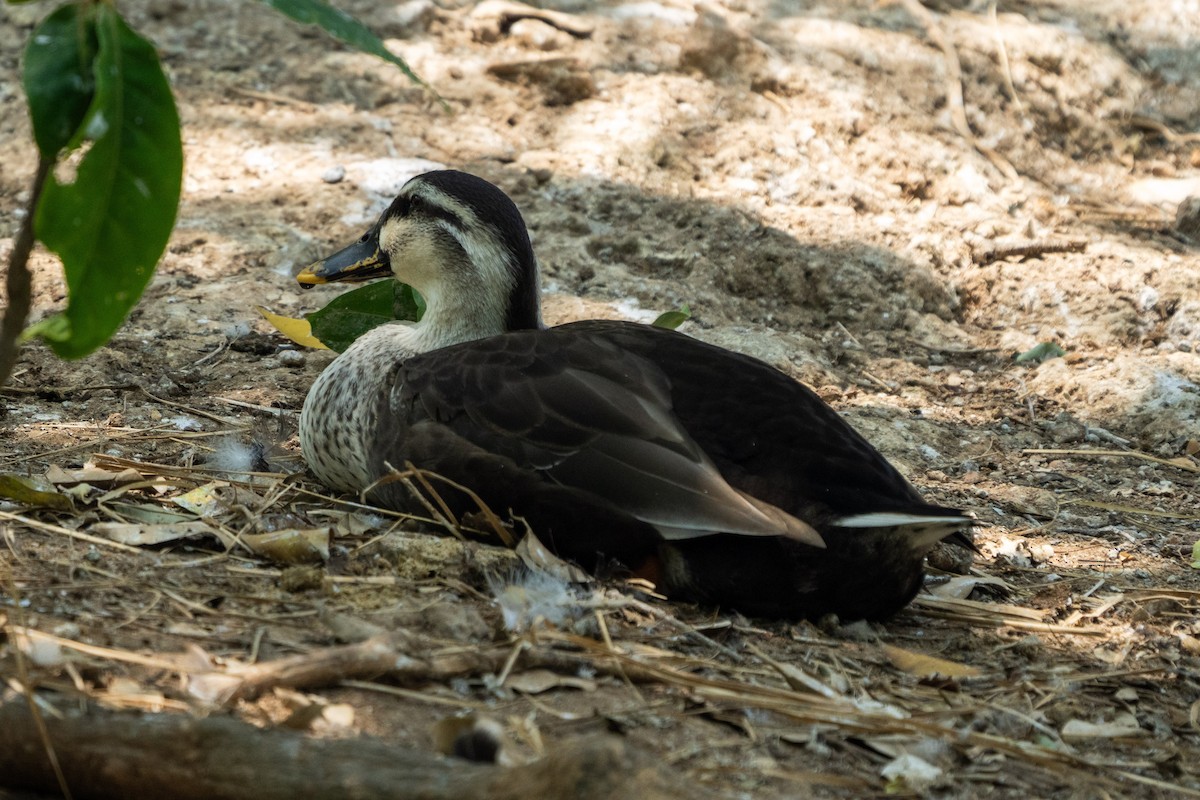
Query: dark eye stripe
[(444, 214), (419, 205)]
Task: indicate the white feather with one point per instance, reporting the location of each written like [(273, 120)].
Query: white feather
[(887, 519)]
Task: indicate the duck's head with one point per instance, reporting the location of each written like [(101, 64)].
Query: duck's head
[(456, 239)]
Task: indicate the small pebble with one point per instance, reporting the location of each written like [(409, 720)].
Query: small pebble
[(67, 630), (334, 174), (291, 358)]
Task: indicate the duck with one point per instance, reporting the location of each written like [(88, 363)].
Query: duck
[(628, 449)]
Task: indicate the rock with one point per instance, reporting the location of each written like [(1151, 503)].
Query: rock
[(562, 81), (413, 16), (714, 47), (538, 35), (1187, 218), (292, 358)]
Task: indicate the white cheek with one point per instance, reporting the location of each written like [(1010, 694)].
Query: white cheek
[(412, 254)]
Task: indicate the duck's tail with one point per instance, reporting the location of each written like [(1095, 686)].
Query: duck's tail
[(923, 527)]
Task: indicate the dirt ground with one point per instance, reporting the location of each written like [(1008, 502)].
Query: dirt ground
[(801, 175)]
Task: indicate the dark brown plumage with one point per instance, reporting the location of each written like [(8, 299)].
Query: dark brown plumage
[(708, 471)]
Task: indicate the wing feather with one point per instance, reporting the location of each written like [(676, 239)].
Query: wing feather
[(589, 415)]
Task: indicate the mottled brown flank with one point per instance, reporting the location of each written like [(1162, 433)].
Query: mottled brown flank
[(337, 424)]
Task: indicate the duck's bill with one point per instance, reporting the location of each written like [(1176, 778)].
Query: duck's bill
[(361, 261)]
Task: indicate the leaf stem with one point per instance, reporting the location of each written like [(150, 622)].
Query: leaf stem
[(18, 281)]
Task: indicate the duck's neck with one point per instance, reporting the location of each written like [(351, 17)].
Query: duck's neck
[(453, 317), (465, 309)]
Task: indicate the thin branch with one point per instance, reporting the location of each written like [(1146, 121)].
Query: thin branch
[(954, 87), (1027, 248), (18, 282)]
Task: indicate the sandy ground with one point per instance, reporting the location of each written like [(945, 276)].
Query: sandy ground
[(798, 174)]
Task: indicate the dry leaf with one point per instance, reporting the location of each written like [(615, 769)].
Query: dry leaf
[(138, 535), (147, 514), (213, 688), (27, 493), (1121, 727), (926, 666), (124, 686), (961, 586), (203, 501), (538, 558), (292, 545), (536, 681), (1001, 612), (908, 772), (93, 476)]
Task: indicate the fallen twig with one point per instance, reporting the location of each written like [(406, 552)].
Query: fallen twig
[(1027, 248), (1182, 462), (954, 88), (1162, 129), (1002, 52), (505, 13)]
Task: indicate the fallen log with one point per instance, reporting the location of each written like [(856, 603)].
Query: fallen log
[(121, 755)]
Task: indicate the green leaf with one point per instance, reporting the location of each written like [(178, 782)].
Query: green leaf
[(343, 27), (1043, 351), (1196, 556), (673, 319), (111, 223), (58, 76), (55, 328), (408, 304), (352, 314)]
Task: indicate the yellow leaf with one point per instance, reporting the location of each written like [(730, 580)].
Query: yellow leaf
[(924, 666), (298, 330)]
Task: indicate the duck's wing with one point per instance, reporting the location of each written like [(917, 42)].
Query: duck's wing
[(774, 438), (768, 433), (582, 413)]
